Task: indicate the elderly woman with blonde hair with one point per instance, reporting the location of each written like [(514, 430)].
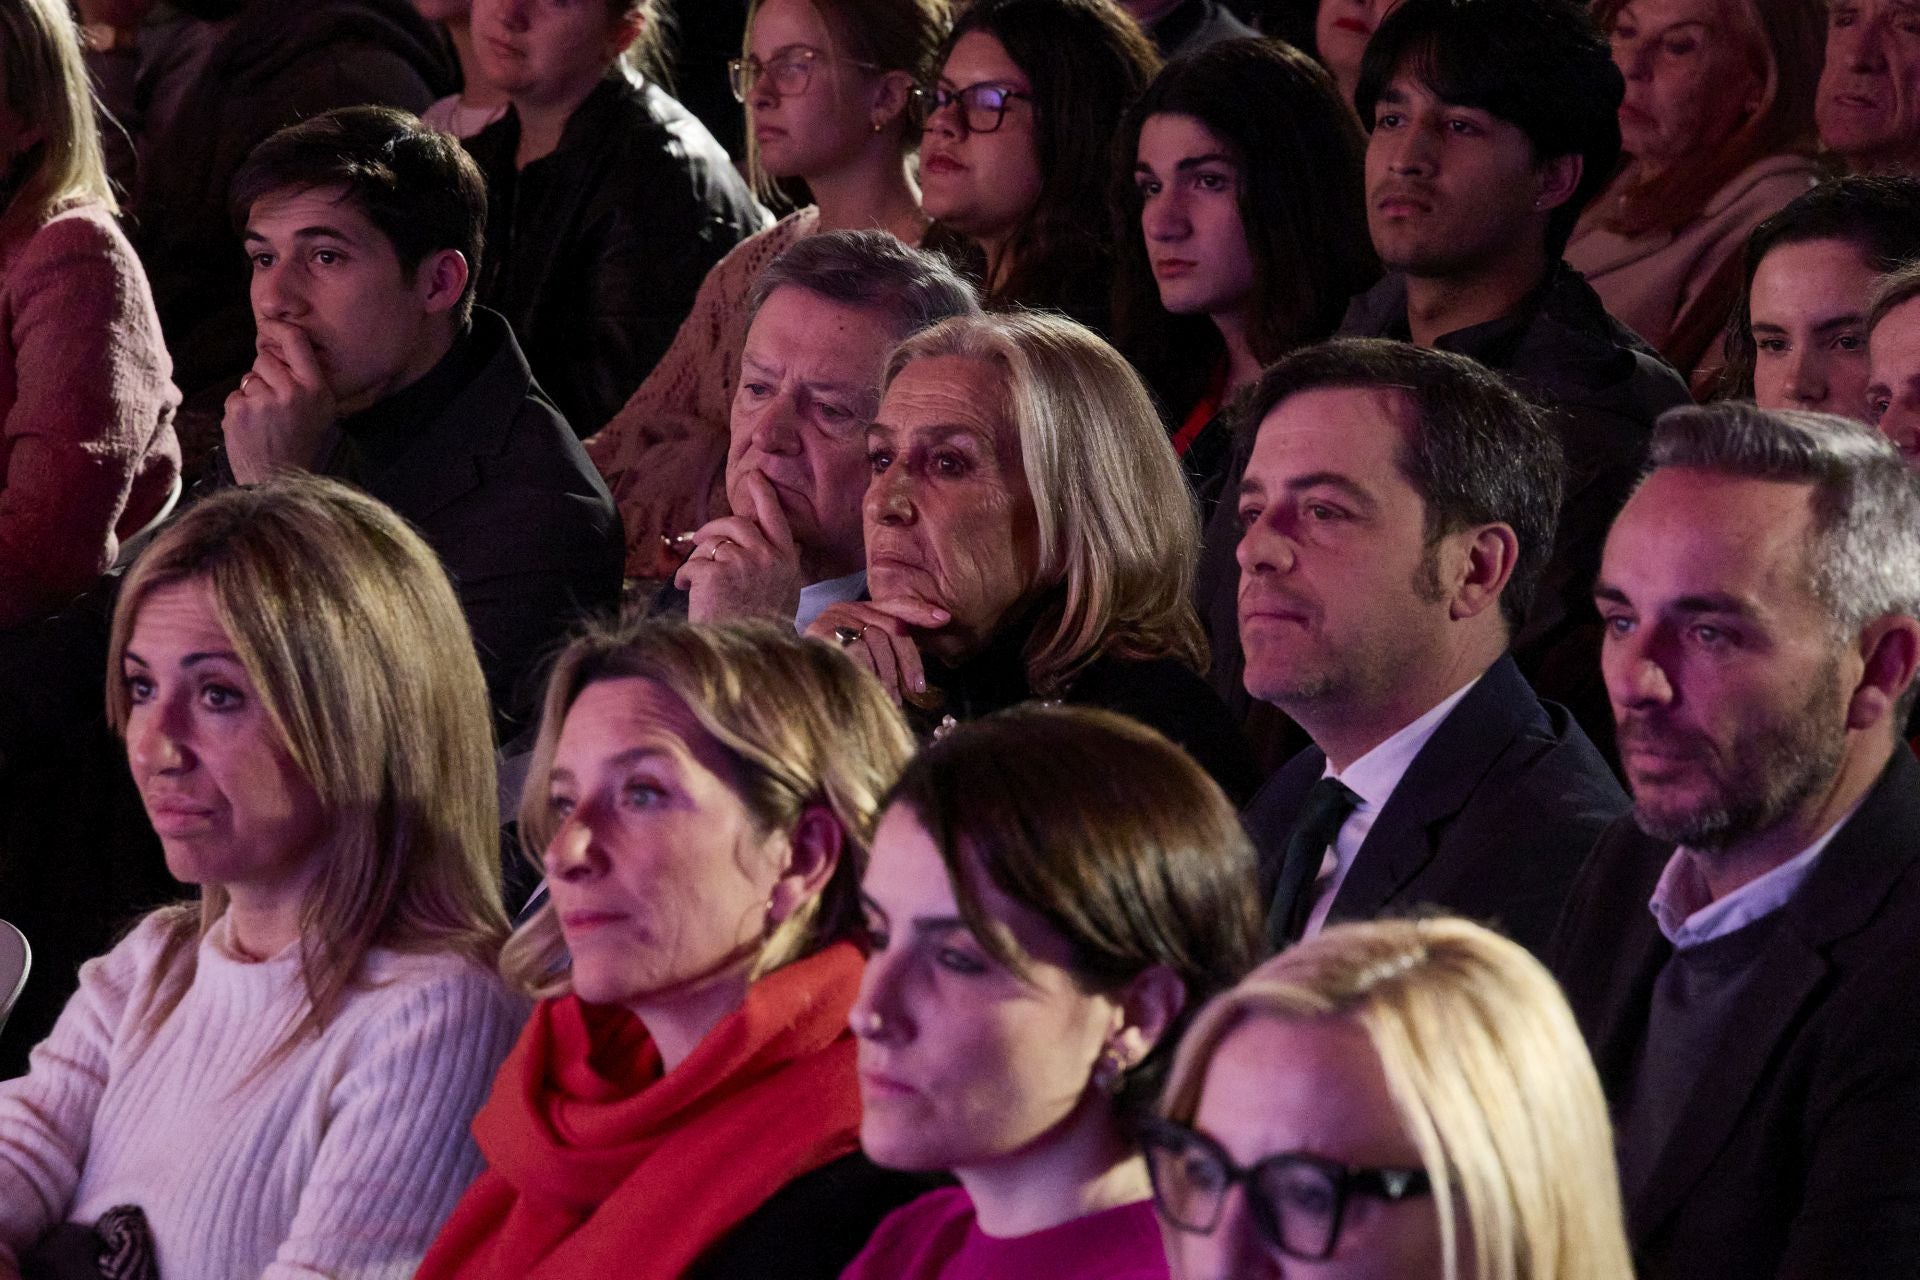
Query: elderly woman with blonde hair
[(1029, 534), (280, 1076), (1397, 1099), (683, 1102)]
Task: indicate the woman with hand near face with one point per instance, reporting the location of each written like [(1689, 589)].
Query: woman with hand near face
[(1391, 1100), (1717, 133), (1029, 535), (1019, 131), (280, 1077), (1237, 194), (683, 1103), (1052, 893), (826, 85), (1799, 333)]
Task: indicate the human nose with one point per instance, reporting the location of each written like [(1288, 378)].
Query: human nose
[(1410, 150), (277, 294), (761, 92), (1163, 218), (1264, 548), (1862, 45), (1902, 426), (1634, 58), (513, 15), (946, 115), (776, 425), (889, 500), (1806, 382), (574, 852), (157, 740), (1233, 1250), (1635, 675), (879, 1014)]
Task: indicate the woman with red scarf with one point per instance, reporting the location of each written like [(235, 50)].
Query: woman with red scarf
[(684, 1102)]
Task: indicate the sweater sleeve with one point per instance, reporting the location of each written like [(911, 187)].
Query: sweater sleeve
[(92, 395), (397, 1152), (46, 1116)]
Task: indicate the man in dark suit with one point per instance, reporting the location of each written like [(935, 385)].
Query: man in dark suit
[(372, 365), (1741, 953), (1398, 505)]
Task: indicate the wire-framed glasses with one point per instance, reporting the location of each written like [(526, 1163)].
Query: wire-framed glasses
[(1296, 1200), (790, 71), (983, 106)]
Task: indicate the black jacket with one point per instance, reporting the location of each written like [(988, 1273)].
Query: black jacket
[(1491, 821), (594, 253), (268, 66), (1798, 1157), (1604, 388)]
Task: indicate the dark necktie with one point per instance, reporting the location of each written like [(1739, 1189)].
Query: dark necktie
[(1328, 804)]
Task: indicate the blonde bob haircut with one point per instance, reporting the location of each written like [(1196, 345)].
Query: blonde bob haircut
[(802, 726), (357, 648), (47, 87), (1118, 528), (1489, 1076)]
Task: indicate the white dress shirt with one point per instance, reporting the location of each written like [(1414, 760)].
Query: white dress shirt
[(1684, 907), (815, 598)]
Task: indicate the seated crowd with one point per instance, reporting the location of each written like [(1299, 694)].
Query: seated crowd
[(1223, 655)]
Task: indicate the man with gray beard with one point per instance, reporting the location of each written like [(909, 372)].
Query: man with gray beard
[(1741, 952)]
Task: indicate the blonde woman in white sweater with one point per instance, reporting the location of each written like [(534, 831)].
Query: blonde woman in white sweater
[(281, 1077)]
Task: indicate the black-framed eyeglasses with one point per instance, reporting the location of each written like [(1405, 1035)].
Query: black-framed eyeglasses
[(1297, 1200), (983, 106), (790, 71)]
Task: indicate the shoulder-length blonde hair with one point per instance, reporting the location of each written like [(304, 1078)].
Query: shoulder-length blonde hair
[(358, 650), (1118, 526), (1488, 1074), (47, 87), (1784, 42), (802, 726)]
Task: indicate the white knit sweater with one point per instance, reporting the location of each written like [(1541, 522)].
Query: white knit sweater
[(340, 1159)]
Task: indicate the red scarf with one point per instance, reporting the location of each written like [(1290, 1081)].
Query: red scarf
[(598, 1165)]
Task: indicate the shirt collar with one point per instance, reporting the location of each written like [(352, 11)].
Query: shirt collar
[(815, 597), (1684, 908), (1374, 775)]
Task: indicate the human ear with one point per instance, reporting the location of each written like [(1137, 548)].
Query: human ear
[(890, 98), (1147, 1007), (814, 850), (441, 279), (1889, 654), (1490, 553), (1556, 180)]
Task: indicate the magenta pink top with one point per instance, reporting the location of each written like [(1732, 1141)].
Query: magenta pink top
[(937, 1238)]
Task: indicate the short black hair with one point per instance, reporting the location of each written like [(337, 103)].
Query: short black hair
[(1476, 451), (417, 185), (1543, 66)]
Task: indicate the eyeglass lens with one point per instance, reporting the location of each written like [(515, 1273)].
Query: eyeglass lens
[(1295, 1204)]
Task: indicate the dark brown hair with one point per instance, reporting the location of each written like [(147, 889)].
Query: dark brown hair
[(1109, 833)]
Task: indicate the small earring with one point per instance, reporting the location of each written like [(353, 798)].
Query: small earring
[(868, 1024), (1110, 1072), (879, 125)]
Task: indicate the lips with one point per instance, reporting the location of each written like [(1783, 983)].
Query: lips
[(875, 1086), (1171, 268), (586, 920), (503, 49), (940, 162), (177, 815), (1403, 201), (1354, 25)]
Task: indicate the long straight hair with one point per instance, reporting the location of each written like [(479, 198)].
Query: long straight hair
[(47, 87)]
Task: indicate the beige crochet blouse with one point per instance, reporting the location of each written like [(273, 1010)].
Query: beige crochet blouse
[(664, 454)]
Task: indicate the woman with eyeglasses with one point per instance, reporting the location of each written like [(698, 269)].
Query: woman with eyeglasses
[(826, 87), (607, 201), (1018, 134), (1052, 891), (1391, 1100)]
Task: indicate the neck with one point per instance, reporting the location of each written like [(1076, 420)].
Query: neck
[(474, 90), (872, 190), (1348, 725), (544, 119), (678, 1021), (999, 265), (262, 925), (1439, 305), (431, 349), (1745, 861), (1083, 1168), (1243, 366)]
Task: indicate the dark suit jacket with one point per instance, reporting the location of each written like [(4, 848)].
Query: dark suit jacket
[(1799, 1158), (1491, 821)]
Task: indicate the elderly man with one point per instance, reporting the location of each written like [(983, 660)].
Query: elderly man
[(826, 315), (1741, 952), (1868, 105), (1399, 505)]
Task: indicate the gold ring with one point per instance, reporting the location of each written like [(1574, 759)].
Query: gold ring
[(245, 380), (847, 635)]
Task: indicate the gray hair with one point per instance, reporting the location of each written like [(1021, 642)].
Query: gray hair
[(1864, 562), (873, 271)]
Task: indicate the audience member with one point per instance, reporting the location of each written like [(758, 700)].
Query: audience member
[(607, 202), (826, 84), (1018, 142), (1492, 123), (1868, 108), (1242, 230), (706, 38), (826, 315), (684, 1102), (374, 366), (1398, 506), (87, 450), (197, 101), (1717, 131), (1756, 1028), (1186, 26), (1893, 338), (1404, 1099), (1799, 334), (1029, 535), (1052, 894), (478, 103), (307, 725), (1341, 29)]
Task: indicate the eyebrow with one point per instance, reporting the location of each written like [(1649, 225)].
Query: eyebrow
[(193, 659), (632, 755), (1249, 487), (308, 233), (1828, 325), (814, 384), (1697, 603)]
